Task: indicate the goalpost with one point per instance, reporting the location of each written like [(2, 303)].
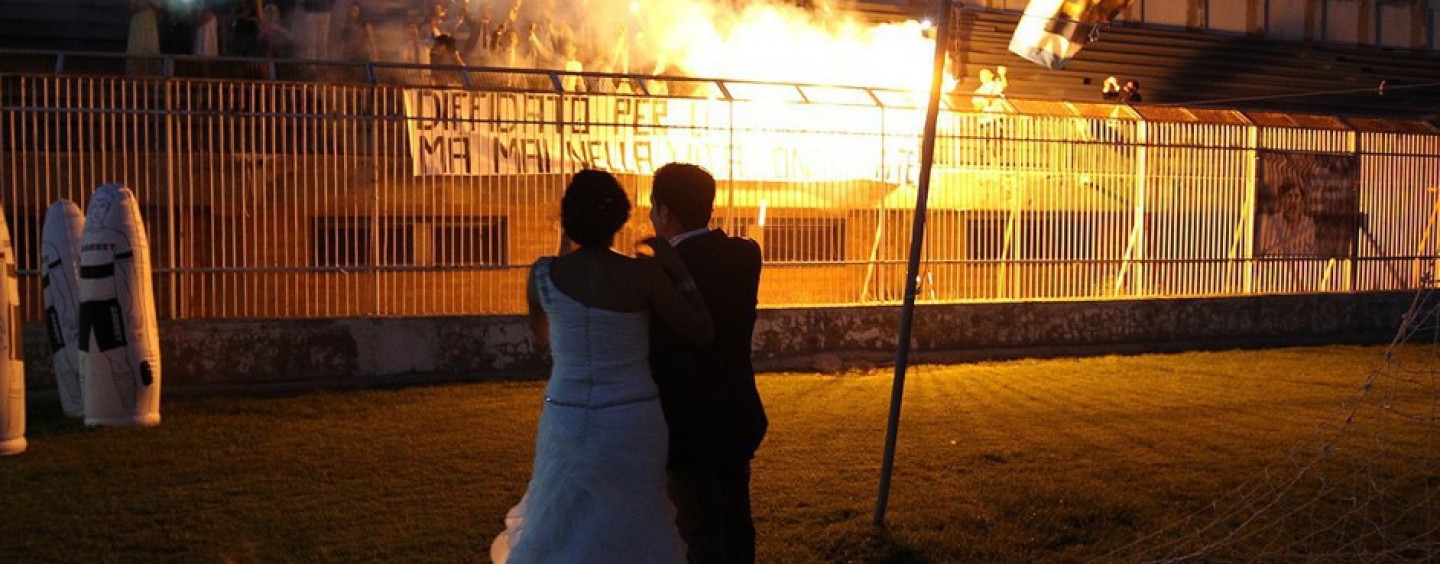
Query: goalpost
[(912, 272), (1364, 488)]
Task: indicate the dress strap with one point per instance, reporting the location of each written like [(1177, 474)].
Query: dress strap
[(542, 267), (541, 273)]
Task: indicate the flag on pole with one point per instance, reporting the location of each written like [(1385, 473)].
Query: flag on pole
[(1053, 31)]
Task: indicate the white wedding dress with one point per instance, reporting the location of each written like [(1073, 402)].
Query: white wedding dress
[(597, 493)]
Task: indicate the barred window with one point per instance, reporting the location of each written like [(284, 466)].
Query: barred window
[(471, 241), (406, 241), (799, 239), (346, 242)]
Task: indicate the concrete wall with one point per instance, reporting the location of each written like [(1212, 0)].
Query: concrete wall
[(266, 355)]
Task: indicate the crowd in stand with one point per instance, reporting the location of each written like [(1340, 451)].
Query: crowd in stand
[(1112, 91), (476, 33), (432, 35)]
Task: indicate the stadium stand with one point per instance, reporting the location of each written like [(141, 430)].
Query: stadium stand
[(1191, 68), (885, 11), (1175, 66)]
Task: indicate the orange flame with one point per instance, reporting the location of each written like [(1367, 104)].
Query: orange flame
[(779, 44)]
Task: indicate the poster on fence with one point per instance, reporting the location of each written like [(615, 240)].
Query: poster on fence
[(471, 133), (1307, 205)]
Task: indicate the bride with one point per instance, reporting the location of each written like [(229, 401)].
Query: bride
[(597, 492)]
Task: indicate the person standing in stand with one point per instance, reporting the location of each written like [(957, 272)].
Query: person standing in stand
[(357, 36), (144, 40), (314, 24)]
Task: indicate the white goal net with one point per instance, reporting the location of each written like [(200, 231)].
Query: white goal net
[(1363, 488)]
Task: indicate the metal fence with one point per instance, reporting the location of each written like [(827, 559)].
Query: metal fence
[(426, 195)]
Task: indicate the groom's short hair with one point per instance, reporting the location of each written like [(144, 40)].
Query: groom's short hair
[(688, 190)]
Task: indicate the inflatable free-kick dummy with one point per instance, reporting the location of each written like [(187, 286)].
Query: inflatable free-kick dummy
[(12, 369), (60, 283), (119, 342)]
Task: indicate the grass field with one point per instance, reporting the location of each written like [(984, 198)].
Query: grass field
[(1047, 460)]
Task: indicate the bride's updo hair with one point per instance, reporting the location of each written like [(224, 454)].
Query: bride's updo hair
[(594, 208)]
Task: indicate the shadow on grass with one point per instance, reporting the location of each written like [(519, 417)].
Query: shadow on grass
[(44, 418), (874, 545)]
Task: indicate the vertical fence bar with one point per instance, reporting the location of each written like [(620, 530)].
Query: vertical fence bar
[(1247, 210)]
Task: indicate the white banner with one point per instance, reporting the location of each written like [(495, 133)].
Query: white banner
[(467, 133)]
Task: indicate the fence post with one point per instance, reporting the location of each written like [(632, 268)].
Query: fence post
[(730, 165), (376, 277), (1352, 272), (1246, 251), (1138, 286), (169, 208)]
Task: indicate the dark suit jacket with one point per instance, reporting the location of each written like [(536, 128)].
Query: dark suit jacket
[(708, 392)]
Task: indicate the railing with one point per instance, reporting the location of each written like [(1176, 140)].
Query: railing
[(397, 196)]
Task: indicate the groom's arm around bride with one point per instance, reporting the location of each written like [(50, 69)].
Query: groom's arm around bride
[(714, 412)]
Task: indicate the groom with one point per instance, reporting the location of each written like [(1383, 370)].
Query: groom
[(708, 392)]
